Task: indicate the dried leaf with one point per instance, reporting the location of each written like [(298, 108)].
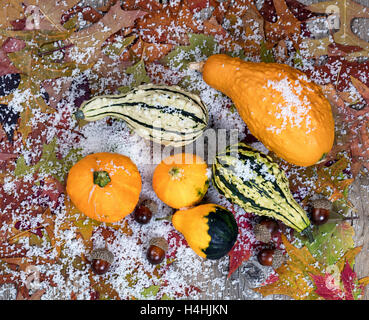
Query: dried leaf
[(200, 47), (294, 274), (88, 42), (287, 25), (331, 242)]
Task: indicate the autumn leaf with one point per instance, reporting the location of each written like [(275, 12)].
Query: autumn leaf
[(294, 275), (331, 181), (49, 164), (343, 286), (200, 47), (158, 26), (243, 248), (331, 242), (35, 68), (287, 25), (361, 88), (87, 43), (139, 76)]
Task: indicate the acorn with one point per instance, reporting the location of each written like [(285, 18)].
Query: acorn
[(101, 259), (265, 230), (157, 249), (271, 257), (145, 210), (321, 211)]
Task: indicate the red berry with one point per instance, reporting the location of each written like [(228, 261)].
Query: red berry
[(265, 257), (142, 214), (319, 216)]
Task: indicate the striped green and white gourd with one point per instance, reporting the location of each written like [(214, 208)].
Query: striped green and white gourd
[(164, 114), (254, 182)]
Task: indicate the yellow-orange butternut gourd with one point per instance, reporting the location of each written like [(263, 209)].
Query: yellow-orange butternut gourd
[(286, 111)]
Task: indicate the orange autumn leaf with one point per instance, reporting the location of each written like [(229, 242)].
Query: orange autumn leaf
[(293, 276), (286, 27), (150, 52)]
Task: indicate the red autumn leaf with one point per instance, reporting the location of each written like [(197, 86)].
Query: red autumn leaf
[(349, 280), (337, 289), (336, 49), (148, 5), (338, 71), (325, 288), (243, 248), (166, 26), (6, 67), (89, 14)]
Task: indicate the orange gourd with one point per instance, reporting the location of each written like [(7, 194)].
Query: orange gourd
[(282, 108), (181, 180), (104, 186)]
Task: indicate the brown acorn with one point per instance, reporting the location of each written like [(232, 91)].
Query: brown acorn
[(157, 249), (145, 210), (101, 259), (271, 257), (265, 230), (321, 211)]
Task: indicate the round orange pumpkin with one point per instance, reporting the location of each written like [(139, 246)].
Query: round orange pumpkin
[(104, 186), (181, 180)]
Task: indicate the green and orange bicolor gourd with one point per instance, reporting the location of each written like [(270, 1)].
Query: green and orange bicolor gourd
[(209, 229), (104, 186), (282, 108)]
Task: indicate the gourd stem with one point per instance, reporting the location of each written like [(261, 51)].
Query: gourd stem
[(308, 233), (79, 115), (101, 178), (168, 218), (197, 66)]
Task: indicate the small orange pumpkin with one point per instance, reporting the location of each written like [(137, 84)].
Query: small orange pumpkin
[(181, 180), (104, 186)]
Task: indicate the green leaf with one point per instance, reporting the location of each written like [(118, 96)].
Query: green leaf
[(200, 47), (150, 292), (331, 242), (138, 71), (266, 55), (49, 163)]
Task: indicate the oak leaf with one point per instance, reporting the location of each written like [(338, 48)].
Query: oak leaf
[(87, 43), (287, 25), (294, 275)]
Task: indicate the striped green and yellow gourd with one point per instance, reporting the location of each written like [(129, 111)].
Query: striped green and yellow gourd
[(164, 114), (252, 180)]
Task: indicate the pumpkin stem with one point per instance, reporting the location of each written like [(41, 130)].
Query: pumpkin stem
[(101, 178), (176, 173)]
